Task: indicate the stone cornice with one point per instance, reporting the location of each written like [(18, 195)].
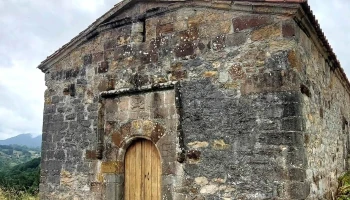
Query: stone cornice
[(147, 88)]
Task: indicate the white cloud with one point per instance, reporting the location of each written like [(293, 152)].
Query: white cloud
[(31, 31), (85, 5)]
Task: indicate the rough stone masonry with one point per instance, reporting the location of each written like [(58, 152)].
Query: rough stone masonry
[(242, 99)]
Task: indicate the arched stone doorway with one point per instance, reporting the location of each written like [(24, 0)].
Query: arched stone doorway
[(142, 171)]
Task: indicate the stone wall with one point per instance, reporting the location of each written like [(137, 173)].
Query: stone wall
[(214, 86), (248, 147), (326, 110)]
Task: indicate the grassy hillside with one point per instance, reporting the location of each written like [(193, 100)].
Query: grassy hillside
[(19, 172), (22, 177), (11, 155)]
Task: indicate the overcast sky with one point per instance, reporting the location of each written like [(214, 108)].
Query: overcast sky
[(33, 29)]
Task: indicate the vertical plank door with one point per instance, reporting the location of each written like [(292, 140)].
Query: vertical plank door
[(142, 172)]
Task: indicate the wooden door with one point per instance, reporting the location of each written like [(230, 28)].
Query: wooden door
[(142, 172)]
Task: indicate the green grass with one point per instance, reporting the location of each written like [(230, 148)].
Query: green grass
[(15, 195)]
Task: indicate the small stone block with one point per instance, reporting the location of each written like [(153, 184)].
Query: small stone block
[(249, 21), (97, 57), (288, 30), (111, 167), (110, 44), (165, 28), (87, 59), (292, 124), (297, 174), (117, 138), (90, 154), (124, 104), (103, 67), (299, 190)]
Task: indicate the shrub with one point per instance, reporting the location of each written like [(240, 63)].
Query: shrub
[(344, 187)]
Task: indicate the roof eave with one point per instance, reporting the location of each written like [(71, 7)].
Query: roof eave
[(332, 58)]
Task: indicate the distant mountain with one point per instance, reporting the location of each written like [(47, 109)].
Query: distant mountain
[(23, 140)]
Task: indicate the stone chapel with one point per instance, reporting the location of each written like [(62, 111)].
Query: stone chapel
[(196, 100)]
